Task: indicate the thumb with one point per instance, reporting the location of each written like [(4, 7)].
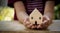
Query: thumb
[(45, 19), (25, 20)]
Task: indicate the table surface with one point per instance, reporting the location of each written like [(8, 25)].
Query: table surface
[(14, 27)]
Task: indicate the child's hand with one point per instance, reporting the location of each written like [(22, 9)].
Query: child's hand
[(46, 22), (28, 24)]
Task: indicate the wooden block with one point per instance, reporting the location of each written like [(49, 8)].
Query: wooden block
[(35, 17)]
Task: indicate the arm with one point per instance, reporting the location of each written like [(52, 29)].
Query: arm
[(20, 11), (49, 9), (22, 15), (48, 14)]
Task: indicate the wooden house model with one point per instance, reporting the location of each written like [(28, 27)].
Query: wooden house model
[(35, 17)]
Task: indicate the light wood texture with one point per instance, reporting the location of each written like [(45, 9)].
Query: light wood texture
[(53, 28)]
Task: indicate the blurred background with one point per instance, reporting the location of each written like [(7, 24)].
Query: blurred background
[(7, 13)]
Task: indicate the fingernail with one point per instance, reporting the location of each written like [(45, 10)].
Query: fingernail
[(44, 21)]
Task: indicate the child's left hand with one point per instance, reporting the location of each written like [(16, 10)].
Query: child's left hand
[(46, 22)]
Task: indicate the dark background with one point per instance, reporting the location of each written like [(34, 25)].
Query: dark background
[(57, 2), (56, 11)]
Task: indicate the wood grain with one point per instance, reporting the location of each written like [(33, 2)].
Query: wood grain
[(53, 28)]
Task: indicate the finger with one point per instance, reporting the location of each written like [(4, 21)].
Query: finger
[(39, 26), (27, 23), (44, 25), (33, 27), (47, 17), (44, 22), (25, 20), (29, 26), (44, 18)]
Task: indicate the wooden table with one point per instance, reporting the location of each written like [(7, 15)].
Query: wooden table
[(13, 27)]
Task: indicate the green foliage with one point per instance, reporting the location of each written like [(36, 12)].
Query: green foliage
[(6, 13), (57, 11)]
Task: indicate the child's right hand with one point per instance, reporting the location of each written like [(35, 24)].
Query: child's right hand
[(28, 24)]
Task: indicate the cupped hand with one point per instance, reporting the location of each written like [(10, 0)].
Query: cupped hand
[(46, 22), (28, 24)]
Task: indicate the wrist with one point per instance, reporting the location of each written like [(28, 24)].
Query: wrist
[(49, 15)]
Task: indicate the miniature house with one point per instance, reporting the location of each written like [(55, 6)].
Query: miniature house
[(35, 17)]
